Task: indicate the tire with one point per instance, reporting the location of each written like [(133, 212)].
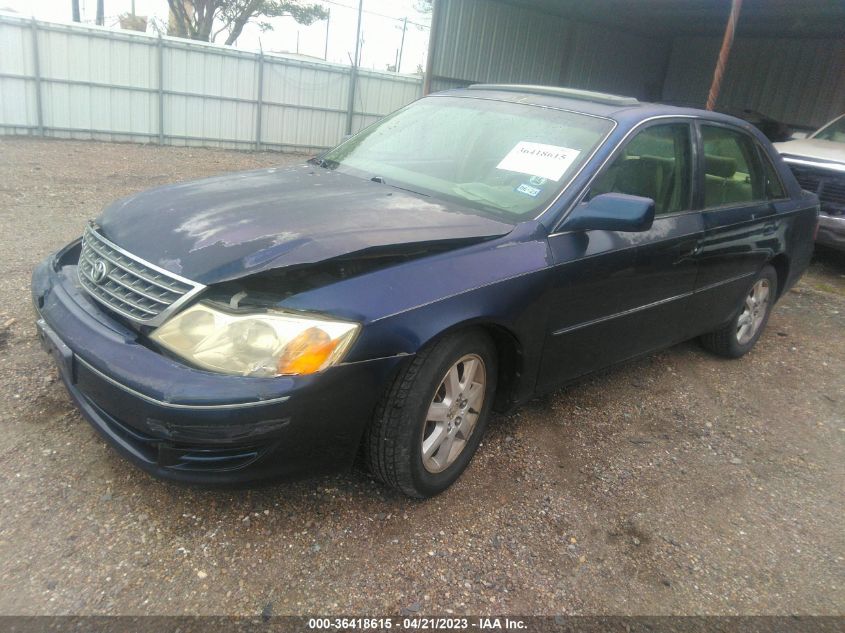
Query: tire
[(394, 441), (728, 340)]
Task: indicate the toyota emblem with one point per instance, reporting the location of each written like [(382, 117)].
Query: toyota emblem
[(99, 271)]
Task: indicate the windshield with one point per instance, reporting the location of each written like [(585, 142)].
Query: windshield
[(833, 131), (504, 158)]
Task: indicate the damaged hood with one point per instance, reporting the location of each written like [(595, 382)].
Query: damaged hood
[(235, 225)]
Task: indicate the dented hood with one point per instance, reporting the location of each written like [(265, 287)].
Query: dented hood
[(235, 225)]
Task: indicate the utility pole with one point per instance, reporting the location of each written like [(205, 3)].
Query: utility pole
[(353, 72), (402, 45), (100, 13), (328, 21), (75, 8)]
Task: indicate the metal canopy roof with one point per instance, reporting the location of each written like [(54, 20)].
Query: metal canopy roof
[(786, 60), (779, 18)]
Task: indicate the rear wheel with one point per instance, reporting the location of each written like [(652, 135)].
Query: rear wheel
[(431, 421), (738, 337)]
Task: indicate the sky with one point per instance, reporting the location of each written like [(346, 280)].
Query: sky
[(381, 35)]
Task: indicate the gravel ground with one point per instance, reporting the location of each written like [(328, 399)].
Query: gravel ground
[(679, 484)]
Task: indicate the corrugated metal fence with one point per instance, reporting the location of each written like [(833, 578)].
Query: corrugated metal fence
[(74, 81)]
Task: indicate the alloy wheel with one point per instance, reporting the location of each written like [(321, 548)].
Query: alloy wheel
[(453, 413), (753, 311)]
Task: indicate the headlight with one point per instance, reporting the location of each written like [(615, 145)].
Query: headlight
[(260, 344)]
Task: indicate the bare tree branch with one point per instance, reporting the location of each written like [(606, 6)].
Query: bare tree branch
[(237, 25)]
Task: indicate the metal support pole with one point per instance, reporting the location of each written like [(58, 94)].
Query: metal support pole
[(328, 22), (724, 53), (402, 43), (160, 90), (36, 62), (432, 37), (353, 71), (259, 102), (74, 8)]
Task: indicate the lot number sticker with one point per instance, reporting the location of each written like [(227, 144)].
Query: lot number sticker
[(539, 159)]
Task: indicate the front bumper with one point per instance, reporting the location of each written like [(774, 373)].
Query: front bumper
[(831, 230), (194, 426)]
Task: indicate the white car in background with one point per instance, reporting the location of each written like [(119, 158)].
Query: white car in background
[(818, 163)]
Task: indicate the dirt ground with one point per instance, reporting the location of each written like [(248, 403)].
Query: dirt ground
[(680, 484)]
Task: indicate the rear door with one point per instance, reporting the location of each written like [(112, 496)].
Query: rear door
[(739, 192), (617, 295)]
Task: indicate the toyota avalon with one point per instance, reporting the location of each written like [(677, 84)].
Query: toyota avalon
[(379, 302)]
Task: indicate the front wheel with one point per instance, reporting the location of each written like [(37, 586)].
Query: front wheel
[(430, 422), (738, 337)]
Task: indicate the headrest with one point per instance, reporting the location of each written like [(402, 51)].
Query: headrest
[(720, 166), (658, 161)]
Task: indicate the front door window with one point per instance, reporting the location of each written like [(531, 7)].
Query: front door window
[(654, 164)]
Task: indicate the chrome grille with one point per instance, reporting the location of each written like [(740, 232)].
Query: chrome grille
[(128, 285), (808, 181), (833, 191), (829, 185)]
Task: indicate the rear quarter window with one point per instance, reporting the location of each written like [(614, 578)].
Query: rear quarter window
[(774, 185)]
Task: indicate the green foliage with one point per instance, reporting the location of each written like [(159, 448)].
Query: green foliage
[(423, 6), (197, 19)]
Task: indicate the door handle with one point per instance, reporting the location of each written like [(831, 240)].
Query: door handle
[(689, 249)]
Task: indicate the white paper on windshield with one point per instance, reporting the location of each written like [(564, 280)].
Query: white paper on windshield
[(539, 159)]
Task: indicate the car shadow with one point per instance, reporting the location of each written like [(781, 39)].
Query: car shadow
[(829, 258)]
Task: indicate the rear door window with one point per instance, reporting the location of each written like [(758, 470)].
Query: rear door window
[(733, 173)]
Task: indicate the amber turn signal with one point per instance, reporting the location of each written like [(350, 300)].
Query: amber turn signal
[(307, 353)]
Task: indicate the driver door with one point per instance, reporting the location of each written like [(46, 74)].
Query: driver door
[(617, 295)]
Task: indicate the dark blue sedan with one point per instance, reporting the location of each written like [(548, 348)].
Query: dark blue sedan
[(460, 256)]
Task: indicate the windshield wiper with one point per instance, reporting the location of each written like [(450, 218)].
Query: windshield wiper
[(322, 162), (380, 180)]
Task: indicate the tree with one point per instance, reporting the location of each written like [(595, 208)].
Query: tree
[(426, 9), (197, 19)]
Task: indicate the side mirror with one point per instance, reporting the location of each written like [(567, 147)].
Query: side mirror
[(612, 212)]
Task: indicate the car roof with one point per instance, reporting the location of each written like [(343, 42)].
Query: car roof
[(624, 110)]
